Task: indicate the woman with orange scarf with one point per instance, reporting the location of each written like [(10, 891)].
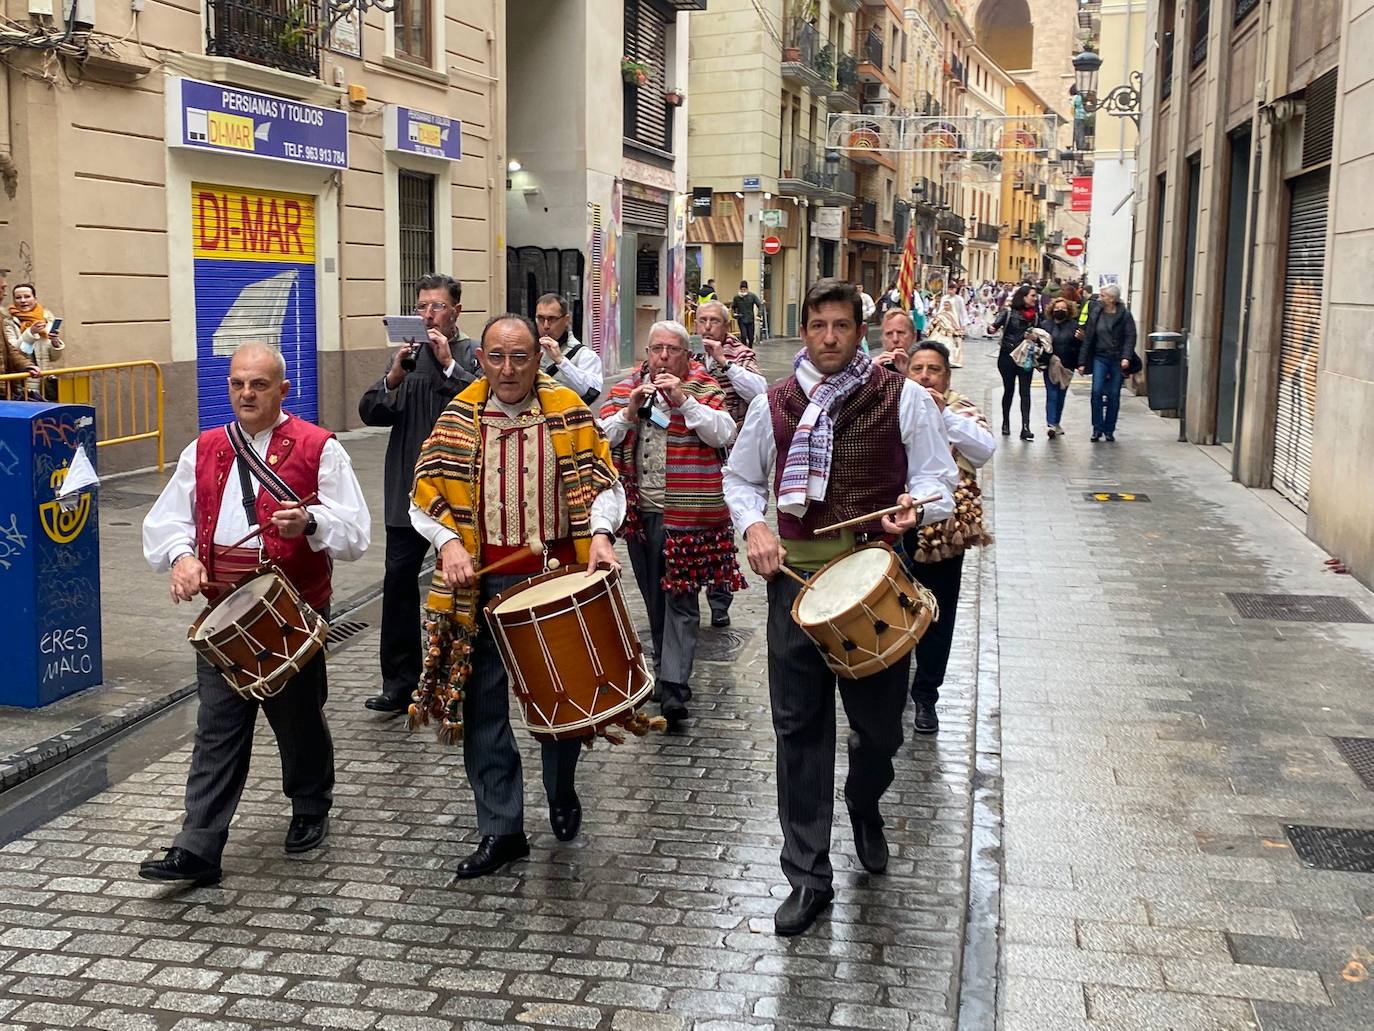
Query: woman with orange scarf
[(38, 337)]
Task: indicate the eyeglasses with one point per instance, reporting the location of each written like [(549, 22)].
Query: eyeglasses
[(517, 359), (549, 319), (436, 307), (664, 349)]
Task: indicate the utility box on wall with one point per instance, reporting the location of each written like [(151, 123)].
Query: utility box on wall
[(49, 555)]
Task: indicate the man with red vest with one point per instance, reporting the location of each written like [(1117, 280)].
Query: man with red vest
[(212, 500), (839, 438)]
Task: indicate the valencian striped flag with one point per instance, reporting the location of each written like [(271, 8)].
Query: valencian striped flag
[(906, 273)]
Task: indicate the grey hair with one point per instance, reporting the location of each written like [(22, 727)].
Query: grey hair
[(714, 304), (278, 361), (676, 328), (1113, 289)]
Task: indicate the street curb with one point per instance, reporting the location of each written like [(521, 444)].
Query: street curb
[(29, 762)]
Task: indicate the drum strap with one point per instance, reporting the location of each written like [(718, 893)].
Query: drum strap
[(251, 462)]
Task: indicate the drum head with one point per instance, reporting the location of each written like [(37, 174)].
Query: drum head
[(234, 606), (555, 588), (843, 584)]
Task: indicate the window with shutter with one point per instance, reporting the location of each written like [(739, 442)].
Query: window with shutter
[(415, 192), (648, 118)]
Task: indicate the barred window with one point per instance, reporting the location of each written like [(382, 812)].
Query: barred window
[(416, 217)]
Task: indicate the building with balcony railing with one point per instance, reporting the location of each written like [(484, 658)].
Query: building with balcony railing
[(272, 34)]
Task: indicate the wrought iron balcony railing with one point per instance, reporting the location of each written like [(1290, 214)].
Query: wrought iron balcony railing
[(864, 216), (873, 48), (281, 34)]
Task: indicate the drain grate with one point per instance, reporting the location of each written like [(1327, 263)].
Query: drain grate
[(1359, 753), (1349, 849), (1298, 608), (722, 644), (342, 631), (1113, 495)]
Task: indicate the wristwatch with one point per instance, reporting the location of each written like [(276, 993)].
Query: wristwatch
[(311, 526), (604, 532)]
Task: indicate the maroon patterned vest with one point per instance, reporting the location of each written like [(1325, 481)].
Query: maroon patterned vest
[(868, 466)]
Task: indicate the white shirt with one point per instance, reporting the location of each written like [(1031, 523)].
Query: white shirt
[(748, 385), (344, 526), (582, 372), (608, 507), (868, 304), (930, 468), (713, 427), (974, 442)]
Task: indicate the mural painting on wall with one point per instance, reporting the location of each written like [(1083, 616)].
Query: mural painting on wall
[(677, 260)]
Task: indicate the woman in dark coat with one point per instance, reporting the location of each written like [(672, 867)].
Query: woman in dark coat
[(1020, 315), (1061, 323)]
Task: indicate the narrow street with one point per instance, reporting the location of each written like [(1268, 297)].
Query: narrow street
[(1143, 745)]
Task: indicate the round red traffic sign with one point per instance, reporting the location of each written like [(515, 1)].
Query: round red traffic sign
[(1074, 246), (771, 245)]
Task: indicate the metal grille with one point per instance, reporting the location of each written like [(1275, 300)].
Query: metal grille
[(722, 645), (281, 34), (1319, 120), (1297, 608), (1300, 338), (644, 213), (1349, 849), (1359, 753), (342, 631), (648, 117), (596, 283), (416, 216), (1244, 7)]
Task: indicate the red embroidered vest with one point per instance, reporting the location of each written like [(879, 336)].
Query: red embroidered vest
[(868, 465), (294, 454)]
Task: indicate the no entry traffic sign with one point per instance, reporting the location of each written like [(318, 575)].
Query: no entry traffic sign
[(1074, 246), (771, 245)]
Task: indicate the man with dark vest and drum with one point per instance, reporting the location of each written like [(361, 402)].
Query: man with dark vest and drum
[(516, 457), (271, 470), (840, 438)]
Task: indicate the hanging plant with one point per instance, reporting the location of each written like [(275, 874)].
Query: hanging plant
[(674, 97), (632, 70)]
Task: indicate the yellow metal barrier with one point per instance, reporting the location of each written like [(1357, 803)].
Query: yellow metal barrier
[(126, 396)]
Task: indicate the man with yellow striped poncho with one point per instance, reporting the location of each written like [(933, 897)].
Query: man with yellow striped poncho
[(515, 457)]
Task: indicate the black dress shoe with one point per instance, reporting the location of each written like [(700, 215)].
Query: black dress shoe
[(1096, 437), (566, 820), (674, 712), (1111, 438), (870, 844), (180, 865), (306, 832), (926, 720), (799, 910), (721, 619), (494, 852), (388, 702)]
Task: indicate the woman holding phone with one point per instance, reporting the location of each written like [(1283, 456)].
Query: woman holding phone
[(37, 332)]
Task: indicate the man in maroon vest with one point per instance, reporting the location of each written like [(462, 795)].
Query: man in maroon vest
[(839, 438), (208, 505)]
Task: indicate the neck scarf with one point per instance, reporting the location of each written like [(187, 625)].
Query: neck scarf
[(27, 319), (806, 471)]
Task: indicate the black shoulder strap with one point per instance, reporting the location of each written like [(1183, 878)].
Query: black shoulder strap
[(251, 462)]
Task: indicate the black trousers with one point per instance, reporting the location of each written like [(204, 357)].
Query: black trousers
[(801, 689), (932, 650), (224, 745), (401, 648), (1012, 374), (746, 332)]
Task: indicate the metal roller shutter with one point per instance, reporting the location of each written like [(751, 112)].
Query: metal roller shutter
[(1300, 337), (254, 262), (645, 213)]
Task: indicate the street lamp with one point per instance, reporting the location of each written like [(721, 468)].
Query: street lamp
[(1122, 101)]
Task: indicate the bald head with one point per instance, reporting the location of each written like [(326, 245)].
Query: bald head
[(257, 385)]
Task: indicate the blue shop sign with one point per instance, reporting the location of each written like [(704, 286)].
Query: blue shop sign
[(420, 132), (751, 182), (208, 116)]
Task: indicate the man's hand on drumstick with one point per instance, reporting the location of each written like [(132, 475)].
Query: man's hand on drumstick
[(188, 579), (765, 552), (908, 519), (290, 519), (602, 554), (457, 565)]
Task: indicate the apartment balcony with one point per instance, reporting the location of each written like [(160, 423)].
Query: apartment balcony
[(949, 225), (280, 34), (1056, 239), (848, 6), (986, 232), (801, 57), (871, 67), (808, 174), (863, 217), (845, 94)]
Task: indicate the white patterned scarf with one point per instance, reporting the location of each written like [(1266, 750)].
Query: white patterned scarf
[(806, 471)]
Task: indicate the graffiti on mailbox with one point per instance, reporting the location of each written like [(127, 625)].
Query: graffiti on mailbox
[(12, 542), (51, 429), (65, 651)]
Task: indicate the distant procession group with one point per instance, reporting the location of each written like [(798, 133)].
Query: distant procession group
[(501, 462)]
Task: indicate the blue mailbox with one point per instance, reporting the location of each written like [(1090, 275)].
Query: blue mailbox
[(49, 555)]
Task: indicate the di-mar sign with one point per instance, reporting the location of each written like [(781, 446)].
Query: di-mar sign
[(207, 116)]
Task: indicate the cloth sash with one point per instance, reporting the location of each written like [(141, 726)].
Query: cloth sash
[(806, 472)]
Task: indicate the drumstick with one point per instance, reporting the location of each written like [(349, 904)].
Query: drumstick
[(533, 547), (258, 529), (876, 515), (795, 576)]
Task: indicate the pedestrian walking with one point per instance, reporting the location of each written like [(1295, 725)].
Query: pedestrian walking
[(935, 552), (196, 530), (1108, 337), (667, 425), (1020, 315), (742, 306), (839, 438), (1062, 325), (568, 360), (477, 504), (419, 382)]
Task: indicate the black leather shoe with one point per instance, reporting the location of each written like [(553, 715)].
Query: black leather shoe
[(566, 820), (674, 712), (870, 844), (306, 832), (1096, 437), (1111, 438), (926, 720), (799, 910), (494, 852), (179, 865), (388, 702), (721, 619)]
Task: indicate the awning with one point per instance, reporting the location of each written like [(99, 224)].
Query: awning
[(1062, 260)]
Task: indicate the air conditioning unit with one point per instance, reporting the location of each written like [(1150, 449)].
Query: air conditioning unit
[(875, 109), (884, 94)]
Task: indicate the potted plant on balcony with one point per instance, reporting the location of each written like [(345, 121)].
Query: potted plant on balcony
[(825, 63), (296, 27), (633, 70), (847, 71), (674, 97)]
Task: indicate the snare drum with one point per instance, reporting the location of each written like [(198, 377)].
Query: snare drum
[(571, 652), (259, 635), (864, 611)]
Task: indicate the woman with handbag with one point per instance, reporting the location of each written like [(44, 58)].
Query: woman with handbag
[(1021, 314), (1108, 334), (1061, 323)]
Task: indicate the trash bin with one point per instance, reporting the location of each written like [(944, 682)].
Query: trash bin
[(1164, 371), (49, 553)]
